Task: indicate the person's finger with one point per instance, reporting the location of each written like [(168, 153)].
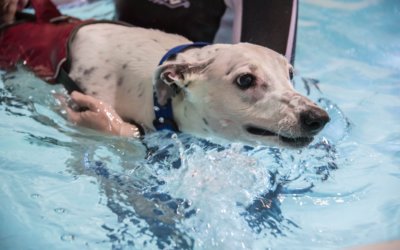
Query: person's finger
[(61, 99), (73, 116), (84, 100), (9, 10)]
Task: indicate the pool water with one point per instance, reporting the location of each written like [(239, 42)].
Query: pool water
[(63, 187)]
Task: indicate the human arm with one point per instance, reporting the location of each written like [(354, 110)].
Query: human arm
[(8, 8), (98, 115)]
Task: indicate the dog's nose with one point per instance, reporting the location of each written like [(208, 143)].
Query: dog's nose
[(313, 120)]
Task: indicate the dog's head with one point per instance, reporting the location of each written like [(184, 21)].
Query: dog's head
[(240, 92)]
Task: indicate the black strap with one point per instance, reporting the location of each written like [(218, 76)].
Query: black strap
[(68, 83), (197, 20)]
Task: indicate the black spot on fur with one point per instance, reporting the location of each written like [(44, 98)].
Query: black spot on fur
[(229, 71), (187, 84), (205, 121), (172, 58), (78, 81), (124, 65), (94, 93), (107, 60), (264, 86), (89, 71), (106, 77), (120, 81), (185, 111), (155, 40), (140, 90)]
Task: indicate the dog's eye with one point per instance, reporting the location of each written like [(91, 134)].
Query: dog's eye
[(245, 81), (291, 74)]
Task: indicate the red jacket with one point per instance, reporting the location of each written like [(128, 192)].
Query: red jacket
[(41, 44)]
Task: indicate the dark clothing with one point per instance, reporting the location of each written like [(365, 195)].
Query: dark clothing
[(197, 20), (270, 23)]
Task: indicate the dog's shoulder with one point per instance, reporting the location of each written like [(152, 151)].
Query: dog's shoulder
[(115, 47), (122, 41)]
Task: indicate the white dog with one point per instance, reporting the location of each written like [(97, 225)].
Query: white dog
[(239, 92)]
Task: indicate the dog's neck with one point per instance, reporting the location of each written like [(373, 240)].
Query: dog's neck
[(188, 117), (164, 114)]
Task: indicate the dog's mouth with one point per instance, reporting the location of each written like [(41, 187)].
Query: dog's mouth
[(289, 141)]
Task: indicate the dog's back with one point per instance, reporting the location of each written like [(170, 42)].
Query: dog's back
[(115, 63)]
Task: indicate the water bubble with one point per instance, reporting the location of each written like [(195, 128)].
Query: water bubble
[(35, 196), (67, 237), (60, 210), (339, 126)]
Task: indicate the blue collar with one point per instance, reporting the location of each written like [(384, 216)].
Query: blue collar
[(164, 115)]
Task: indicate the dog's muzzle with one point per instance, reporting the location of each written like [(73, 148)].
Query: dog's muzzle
[(313, 120)]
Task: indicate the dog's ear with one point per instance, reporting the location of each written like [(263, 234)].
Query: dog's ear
[(170, 79)]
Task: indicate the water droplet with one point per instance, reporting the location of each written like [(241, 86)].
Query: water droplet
[(156, 108), (35, 196), (67, 237), (60, 210), (161, 119), (223, 123)]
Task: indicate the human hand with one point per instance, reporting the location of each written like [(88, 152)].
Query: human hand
[(8, 8), (98, 115)]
